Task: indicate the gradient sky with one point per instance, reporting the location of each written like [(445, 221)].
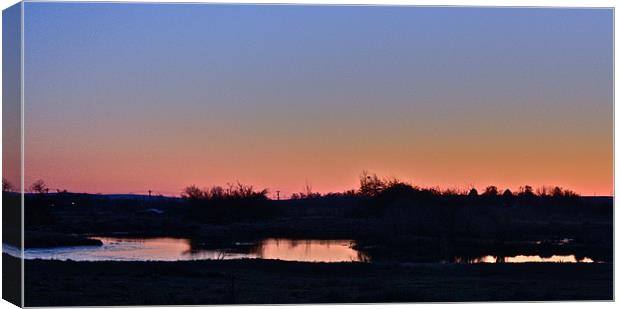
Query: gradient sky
[(129, 97)]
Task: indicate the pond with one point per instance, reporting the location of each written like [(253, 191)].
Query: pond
[(304, 250), (524, 259), (181, 249)]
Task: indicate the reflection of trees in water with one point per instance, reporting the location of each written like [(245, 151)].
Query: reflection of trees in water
[(580, 258), (256, 249), (290, 244), (523, 259), (477, 259), (221, 255), (363, 257), (305, 248), (221, 250)]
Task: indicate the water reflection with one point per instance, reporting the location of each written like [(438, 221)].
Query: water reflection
[(309, 250), (524, 259), (180, 249)]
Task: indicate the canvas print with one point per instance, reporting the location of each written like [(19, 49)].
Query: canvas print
[(185, 154)]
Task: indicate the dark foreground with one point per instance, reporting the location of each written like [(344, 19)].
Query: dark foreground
[(398, 229), (56, 283)]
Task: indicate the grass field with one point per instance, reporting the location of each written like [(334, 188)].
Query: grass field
[(268, 281)]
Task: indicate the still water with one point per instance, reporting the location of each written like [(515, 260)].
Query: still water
[(180, 249), (525, 259)]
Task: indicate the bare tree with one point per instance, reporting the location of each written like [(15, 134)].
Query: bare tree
[(7, 186), (193, 192), (39, 186), (308, 189), (370, 185)]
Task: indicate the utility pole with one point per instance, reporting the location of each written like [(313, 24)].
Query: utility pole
[(278, 194)]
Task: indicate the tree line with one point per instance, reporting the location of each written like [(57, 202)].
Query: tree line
[(370, 185)]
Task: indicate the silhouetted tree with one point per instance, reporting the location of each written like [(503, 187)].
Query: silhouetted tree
[(571, 194), (526, 191), (473, 192), (236, 191), (450, 192), (217, 192), (7, 186), (370, 185), (192, 192), (508, 197), (39, 186), (557, 192), (217, 204), (308, 189), (490, 191), (306, 194), (241, 191), (543, 191)]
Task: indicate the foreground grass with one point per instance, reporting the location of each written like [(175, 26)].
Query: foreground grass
[(267, 282)]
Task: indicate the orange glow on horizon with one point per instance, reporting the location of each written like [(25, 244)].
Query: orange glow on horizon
[(167, 188)]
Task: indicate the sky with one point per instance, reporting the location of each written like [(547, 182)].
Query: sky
[(125, 98), (11, 97)]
